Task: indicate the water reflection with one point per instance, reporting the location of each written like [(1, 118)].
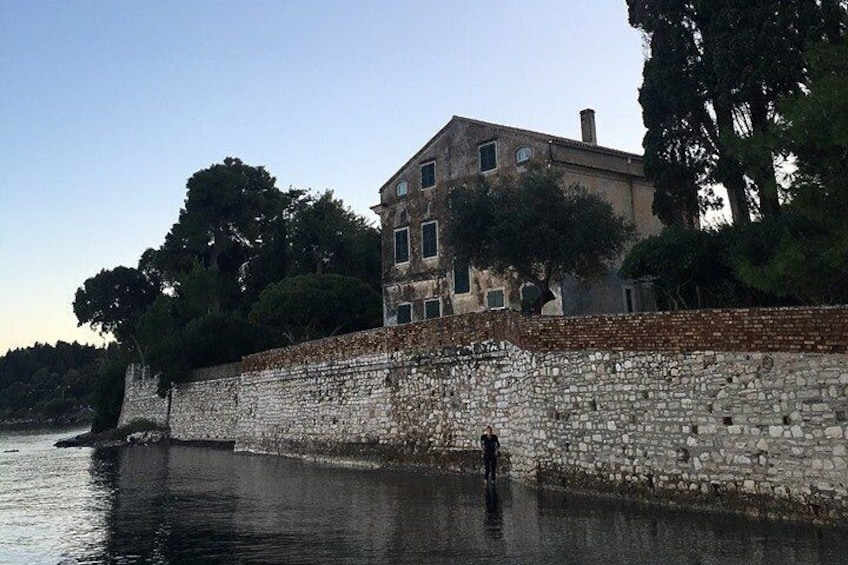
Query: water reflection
[(175, 505), (181, 504), (494, 514)]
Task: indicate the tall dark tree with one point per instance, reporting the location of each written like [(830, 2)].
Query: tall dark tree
[(112, 302), (312, 306), (532, 227), (229, 208), (804, 254), (327, 237), (716, 71)]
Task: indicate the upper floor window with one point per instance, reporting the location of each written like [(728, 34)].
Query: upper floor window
[(428, 174), (488, 157), (401, 245), (461, 278), (402, 188), (523, 154), (430, 239)]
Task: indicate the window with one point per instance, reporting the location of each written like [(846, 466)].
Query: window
[(402, 188), (629, 304), (404, 313), (523, 154), (401, 245), (429, 239), (461, 278), (432, 309), (488, 157), (428, 174), (495, 299)]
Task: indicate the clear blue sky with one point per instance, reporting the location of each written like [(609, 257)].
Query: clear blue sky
[(109, 106)]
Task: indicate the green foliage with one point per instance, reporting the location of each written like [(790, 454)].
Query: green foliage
[(45, 381), (329, 238), (692, 269), (794, 256), (137, 425), (312, 306), (109, 388), (185, 306), (113, 300), (803, 255), (710, 96), (532, 227)]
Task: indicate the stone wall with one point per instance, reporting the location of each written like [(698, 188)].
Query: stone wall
[(740, 410), (205, 410), (140, 398), (760, 432)]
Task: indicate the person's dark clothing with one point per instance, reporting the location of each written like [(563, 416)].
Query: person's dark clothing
[(491, 447)]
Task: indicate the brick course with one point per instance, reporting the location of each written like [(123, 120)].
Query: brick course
[(804, 329)]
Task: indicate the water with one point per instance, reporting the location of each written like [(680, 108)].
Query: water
[(175, 505)]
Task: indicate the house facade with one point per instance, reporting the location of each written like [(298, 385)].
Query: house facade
[(421, 279)]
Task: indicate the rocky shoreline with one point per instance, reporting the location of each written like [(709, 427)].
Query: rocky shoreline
[(114, 438)]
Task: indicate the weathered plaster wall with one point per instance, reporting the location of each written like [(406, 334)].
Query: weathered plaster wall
[(734, 409), (615, 175)]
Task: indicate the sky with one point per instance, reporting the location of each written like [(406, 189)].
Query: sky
[(108, 107)]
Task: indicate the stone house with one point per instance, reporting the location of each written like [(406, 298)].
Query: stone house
[(420, 278)]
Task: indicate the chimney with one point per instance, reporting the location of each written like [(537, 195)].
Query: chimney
[(587, 126)]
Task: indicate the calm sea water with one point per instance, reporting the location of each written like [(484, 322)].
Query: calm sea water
[(175, 505)]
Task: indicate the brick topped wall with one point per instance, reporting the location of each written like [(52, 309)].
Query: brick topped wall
[(804, 329), (226, 371)]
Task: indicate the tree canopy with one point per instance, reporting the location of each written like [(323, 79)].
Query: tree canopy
[(186, 306), (731, 88), (48, 381), (310, 306), (532, 227), (711, 89)]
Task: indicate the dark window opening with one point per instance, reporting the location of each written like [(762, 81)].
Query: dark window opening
[(432, 309), (488, 157), (402, 246), (429, 239), (495, 299), (461, 278), (404, 314), (428, 175)]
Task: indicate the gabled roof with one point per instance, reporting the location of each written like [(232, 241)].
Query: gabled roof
[(545, 137)]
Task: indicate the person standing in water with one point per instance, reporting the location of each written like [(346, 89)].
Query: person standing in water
[(491, 450)]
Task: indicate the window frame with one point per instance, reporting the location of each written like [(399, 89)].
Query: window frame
[(494, 167), (397, 313), (395, 243), (500, 289), (405, 185), (427, 164), (431, 301), (435, 223), (529, 154)]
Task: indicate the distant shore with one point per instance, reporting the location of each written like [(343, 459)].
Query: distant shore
[(38, 421)]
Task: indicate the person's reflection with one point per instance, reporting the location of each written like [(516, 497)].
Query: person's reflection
[(494, 514)]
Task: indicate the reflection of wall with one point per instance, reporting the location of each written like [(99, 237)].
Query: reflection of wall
[(723, 407)]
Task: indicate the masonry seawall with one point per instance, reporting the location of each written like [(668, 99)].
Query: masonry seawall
[(737, 410)]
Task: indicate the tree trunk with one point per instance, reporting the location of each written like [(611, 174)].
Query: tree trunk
[(763, 171)]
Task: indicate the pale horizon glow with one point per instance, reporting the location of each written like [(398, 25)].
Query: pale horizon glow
[(109, 106)]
